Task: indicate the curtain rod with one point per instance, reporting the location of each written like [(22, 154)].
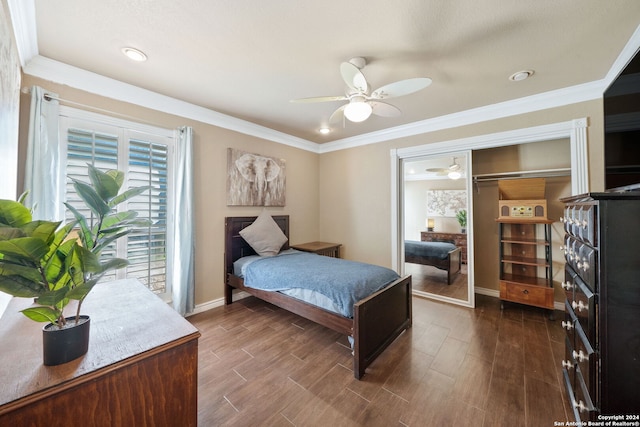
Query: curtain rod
[(50, 97), (542, 173)]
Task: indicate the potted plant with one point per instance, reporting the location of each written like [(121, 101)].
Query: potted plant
[(40, 260), (461, 216)]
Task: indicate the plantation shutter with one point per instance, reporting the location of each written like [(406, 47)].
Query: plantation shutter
[(147, 248), (98, 149), (145, 158)]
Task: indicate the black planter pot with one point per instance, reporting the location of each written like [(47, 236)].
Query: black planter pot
[(63, 345)]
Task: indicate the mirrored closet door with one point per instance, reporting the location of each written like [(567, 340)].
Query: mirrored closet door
[(436, 228)]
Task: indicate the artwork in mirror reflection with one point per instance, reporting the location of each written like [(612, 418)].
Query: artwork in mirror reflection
[(446, 203), (431, 201)]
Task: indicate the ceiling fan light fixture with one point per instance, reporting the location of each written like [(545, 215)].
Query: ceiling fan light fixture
[(454, 174), (357, 111)]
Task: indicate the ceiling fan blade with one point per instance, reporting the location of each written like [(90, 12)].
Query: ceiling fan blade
[(338, 115), (401, 88), (353, 77), (383, 109), (320, 99), (437, 170)]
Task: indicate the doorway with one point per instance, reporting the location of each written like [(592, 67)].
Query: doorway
[(574, 130)]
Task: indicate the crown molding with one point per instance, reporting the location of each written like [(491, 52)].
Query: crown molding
[(23, 19), (78, 78), (625, 56), (540, 101), (58, 72)]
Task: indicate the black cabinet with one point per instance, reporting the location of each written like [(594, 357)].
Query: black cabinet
[(601, 367)]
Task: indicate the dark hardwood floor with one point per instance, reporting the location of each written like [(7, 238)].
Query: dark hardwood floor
[(260, 365)]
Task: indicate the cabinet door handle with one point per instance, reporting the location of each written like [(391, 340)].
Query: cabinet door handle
[(567, 325), (580, 356), (578, 305), (584, 265), (566, 286), (526, 292), (567, 364), (580, 406)]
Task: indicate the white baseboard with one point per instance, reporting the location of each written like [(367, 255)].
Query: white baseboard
[(488, 292), (201, 308)]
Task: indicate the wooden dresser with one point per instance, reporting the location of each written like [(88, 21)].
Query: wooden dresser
[(458, 239), (140, 370), (601, 367)]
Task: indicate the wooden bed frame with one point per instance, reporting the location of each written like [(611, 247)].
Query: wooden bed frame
[(452, 263), (378, 319)]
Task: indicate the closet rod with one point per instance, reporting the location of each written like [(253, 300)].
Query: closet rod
[(542, 173)]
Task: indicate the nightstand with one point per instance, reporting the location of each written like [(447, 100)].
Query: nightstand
[(320, 248)]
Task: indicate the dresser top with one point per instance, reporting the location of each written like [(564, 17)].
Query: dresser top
[(127, 320)]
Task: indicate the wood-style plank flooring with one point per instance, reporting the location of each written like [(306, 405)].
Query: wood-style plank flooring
[(262, 366), (434, 281)]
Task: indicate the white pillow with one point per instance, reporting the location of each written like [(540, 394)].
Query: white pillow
[(264, 235)]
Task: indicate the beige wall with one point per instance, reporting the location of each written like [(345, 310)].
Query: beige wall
[(341, 196), (355, 184), (210, 159)]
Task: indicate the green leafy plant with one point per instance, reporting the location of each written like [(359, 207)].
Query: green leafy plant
[(43, 260), (461, 216)]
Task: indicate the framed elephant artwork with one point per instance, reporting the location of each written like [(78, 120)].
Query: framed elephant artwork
[(254, 180)]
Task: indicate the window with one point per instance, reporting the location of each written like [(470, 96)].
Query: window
[(145, 155)]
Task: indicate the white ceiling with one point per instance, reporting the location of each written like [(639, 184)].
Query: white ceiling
[(248, 59)]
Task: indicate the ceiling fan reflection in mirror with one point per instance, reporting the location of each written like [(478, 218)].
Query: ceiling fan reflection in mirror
[(362, 100), (454, 171)]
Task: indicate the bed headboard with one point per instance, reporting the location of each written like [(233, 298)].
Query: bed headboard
[(236, 247)]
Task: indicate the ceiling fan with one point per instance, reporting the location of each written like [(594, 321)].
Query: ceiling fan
[(454, 171), (362, 100)]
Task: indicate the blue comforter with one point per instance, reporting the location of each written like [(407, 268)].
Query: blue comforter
[(437, 250), (344, 282)]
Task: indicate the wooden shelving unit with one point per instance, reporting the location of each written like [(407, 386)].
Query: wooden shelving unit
[(525, 262)]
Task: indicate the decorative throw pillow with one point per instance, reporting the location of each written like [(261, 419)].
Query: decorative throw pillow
[(264, 235)]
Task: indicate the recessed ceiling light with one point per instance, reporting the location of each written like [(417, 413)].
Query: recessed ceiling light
[(134, 54), (324, 131), (521, 75)]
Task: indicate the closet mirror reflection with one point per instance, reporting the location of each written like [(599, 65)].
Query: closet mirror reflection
[(437, 225)]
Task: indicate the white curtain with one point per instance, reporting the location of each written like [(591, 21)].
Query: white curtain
[(181, 261), (44, 172)]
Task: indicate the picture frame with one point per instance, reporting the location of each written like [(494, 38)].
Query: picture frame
[(445, 203), (254, 179)]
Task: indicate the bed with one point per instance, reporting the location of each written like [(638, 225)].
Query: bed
[(443, 255), (377, 320)]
